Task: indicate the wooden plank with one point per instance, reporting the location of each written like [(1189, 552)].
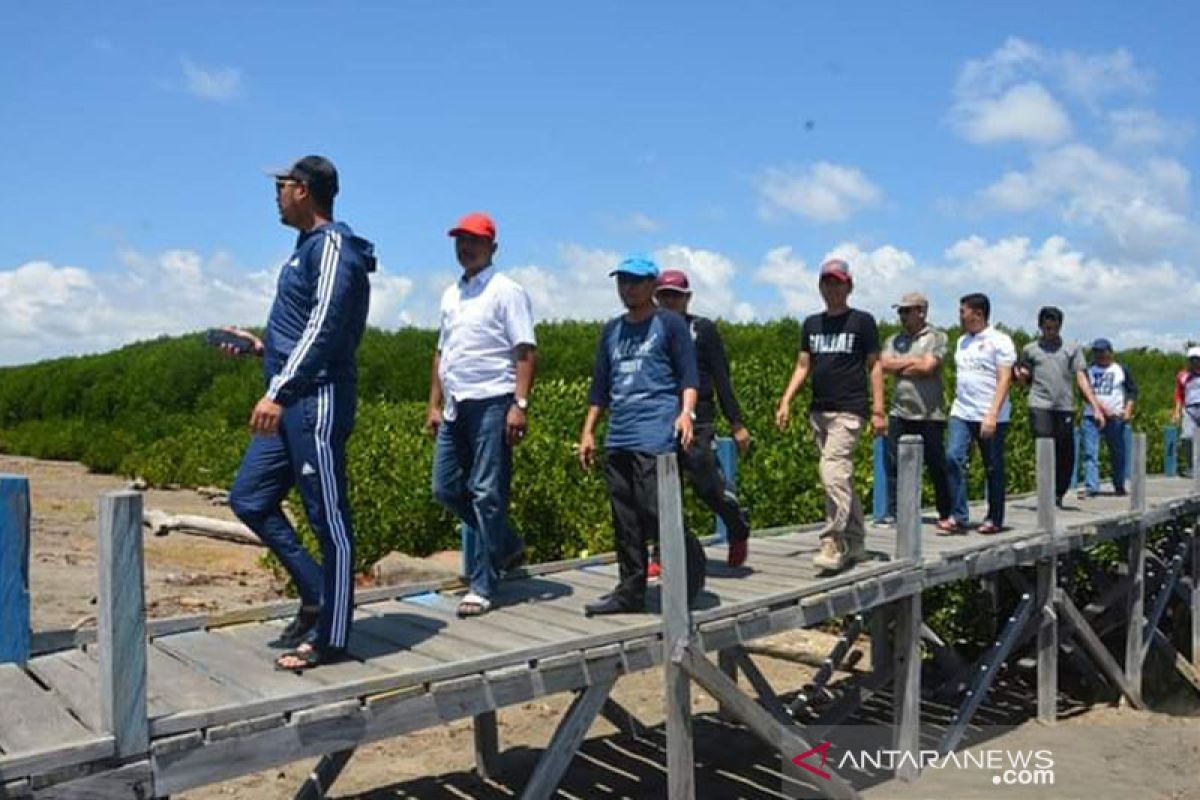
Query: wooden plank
[(565, 742), (14, 569), (56, 757), (487, 745), (34, 719), (501, 620), (1194, 606), (131, 780), (327, 770), (218, 658), (121, 622), (677, 631), (253, 639), (73, 677)]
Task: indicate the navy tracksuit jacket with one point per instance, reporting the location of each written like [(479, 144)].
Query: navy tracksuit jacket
[(316, 323)]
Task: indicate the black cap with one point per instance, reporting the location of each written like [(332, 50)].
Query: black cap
[(316, 172)]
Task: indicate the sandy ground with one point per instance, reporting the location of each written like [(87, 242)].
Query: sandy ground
[(1098, 752)]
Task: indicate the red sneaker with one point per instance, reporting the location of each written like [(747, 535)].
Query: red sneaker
[(737, 552), (654, 570)]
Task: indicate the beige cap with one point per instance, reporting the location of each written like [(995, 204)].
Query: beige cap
[(913, 299)]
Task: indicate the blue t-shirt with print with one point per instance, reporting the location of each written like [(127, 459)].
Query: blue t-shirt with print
[(639, 372)]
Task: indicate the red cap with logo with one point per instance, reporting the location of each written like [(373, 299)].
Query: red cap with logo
[(836, 268), (672, 280), (476, 224)]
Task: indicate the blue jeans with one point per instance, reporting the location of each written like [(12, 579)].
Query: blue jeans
[(962, 433), (1114, 434), (472, 470)]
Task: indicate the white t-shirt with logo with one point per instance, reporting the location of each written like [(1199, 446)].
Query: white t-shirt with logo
[(977, 361)]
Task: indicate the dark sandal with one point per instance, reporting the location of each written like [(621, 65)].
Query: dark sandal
[(298, 630), (310, 656)]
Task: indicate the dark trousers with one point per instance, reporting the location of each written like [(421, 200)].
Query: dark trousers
[(1059, 426), (632, 479), (931, 433), (309, 452), (700, 464)]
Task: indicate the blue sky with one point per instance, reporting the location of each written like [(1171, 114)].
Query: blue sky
[(1039, 152)]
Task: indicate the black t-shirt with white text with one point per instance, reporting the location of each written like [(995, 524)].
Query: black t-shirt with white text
[(838, 346)]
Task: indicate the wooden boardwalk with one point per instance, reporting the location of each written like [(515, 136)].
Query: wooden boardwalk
[(216, 709)]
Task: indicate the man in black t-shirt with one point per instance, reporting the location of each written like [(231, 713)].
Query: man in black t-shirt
[(839, 347)]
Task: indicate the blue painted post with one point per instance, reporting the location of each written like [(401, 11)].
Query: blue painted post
[(14, 569), (727, 458), (879, 491), (467, 534), (1078, 466), (1128, 449), (1171, 451)]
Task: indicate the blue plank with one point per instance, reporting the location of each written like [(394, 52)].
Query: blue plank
[(1171, 451), (14, 569), (879, 487)]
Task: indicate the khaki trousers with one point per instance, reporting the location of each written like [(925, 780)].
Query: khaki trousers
[(837, 435)]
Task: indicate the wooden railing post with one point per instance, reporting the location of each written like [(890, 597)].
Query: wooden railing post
[(907, 676), (1047, 580), (677, 631), (1195, 465), (14, 569), (1137, 570), (121, 622)]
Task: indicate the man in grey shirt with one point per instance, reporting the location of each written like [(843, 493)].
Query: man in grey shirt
[(1052, 368), (914, 356)]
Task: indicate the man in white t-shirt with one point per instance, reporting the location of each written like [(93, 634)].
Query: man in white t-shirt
[(983, 360), (478, 398)]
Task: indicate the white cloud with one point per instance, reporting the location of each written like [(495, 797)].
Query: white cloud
[(388, 293), (823, 192), (1145, 128), (1025, 112), (881, 276), (1142, 208), (219, 84)]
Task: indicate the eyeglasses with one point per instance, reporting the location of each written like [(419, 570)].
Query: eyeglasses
[(907, 309), (282, 183)]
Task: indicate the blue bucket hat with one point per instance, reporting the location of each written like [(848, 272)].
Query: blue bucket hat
[(638, 266)]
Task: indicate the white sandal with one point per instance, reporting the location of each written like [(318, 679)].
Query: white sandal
[(473, 605)]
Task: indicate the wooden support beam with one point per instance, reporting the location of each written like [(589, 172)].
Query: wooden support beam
[(1165, 590), (321, 779), (573, 727), (1097, 650), (879, 620), (989, 665), (121, 622), (622, 718), (762, 687), (1047, 582), (677, 631), (1185, 670), (778, 736), (906, 700), (1136, 609), (727, 661), (487, 744), (1194, 606), (848, 703)]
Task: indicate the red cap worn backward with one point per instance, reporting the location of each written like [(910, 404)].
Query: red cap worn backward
[(673, 280), (477, 224)]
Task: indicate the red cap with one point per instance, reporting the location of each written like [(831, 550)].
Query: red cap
[(672, 280), (836, 268), (477, 224)]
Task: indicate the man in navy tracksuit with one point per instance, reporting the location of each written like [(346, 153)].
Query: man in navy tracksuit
[(302, 423)]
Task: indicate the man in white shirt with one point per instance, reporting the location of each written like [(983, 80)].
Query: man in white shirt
[(1115, 392), (478, 399), (983, 359)]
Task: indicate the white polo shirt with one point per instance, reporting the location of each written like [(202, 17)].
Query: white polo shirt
[(482, 322), (977, 360)]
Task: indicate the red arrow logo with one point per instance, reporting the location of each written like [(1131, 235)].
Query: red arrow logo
[(823, 749)]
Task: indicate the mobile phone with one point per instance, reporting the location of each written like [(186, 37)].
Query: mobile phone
[(218, 337)]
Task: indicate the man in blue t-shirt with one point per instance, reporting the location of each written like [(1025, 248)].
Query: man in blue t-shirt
[(644, 376)]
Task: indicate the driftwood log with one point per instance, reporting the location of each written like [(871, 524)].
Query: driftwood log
[(161, 523)]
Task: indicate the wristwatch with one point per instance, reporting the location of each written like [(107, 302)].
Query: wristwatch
[(521, 403)]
